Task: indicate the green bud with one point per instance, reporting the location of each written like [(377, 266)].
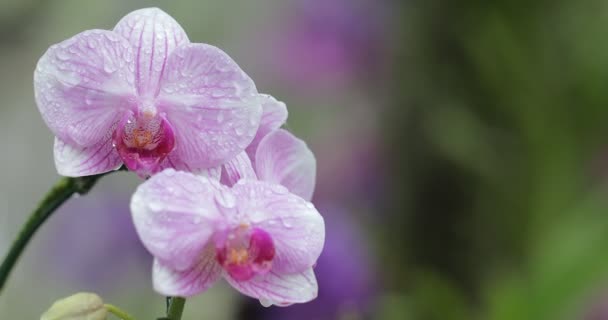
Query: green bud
[(81, 306)]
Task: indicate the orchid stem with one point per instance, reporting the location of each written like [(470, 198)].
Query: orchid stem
[(118, 312), (176, 308), (63, 190)]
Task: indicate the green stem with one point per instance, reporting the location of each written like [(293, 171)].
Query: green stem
[(118, 312), (176, 308), (63, 190)]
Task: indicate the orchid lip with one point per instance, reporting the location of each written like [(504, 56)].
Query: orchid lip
[(246, 252), (143, 141)]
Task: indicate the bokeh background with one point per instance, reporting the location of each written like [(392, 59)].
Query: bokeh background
[(462, 152)]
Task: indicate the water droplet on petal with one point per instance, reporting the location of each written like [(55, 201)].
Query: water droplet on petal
[(155, 206), (286, 224), (279, 189), (226, 200), (62, 55), (109, 67)]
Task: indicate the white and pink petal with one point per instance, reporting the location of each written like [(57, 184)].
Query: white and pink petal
[(172, 161), (237, 168), (76, 161), (175, 215), (83, 84), (212, 104), (279, 289), (153, 34), (274, 115), (284, 159), (185, 283)]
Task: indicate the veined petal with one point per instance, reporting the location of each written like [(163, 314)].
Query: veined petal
[(286, 160), (194, 280), (83, 83), (212, 104), (174, 162), (76, 161), (274, 115), (296, 227), (175, 215), (237, 168), (279, 289), (153, 35)]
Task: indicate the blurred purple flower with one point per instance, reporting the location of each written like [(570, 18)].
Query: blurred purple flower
[(347, 281), (328, 42), (598, 308), (92, 241)]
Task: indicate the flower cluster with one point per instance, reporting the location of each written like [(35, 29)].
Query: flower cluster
[(228, 191)]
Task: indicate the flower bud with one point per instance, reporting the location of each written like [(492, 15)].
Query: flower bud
[(81, 306)]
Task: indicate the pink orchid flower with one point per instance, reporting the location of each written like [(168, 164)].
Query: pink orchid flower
[(142, 95), (275, 155), (257, 235)]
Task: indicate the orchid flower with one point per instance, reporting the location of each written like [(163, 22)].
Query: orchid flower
[(142, 95), (261, 238)]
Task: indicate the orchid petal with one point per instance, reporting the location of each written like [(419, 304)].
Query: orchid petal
[(279, 289), (185, 283), (286, 160), (153, 35), (296, 227), (274, 115), (237, 168), (83, 83), (213, 173), (212, 104), (76, 161), (175, 215)]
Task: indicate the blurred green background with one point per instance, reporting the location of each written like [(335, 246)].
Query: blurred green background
[(462, 152)]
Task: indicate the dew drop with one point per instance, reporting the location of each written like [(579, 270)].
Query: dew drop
[(62, 55), (226, 199), (155, 206), (109, 67), (278, 189), (286, 224), (265, 303)]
